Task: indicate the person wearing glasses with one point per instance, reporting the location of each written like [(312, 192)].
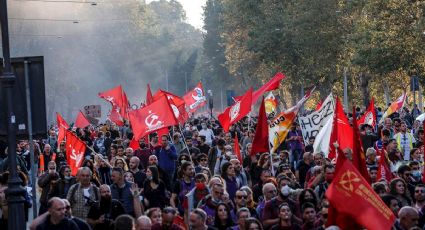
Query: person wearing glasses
[(269, 192), (168, 216), (210, 202)]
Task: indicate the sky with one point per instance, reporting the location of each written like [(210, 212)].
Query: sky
[(193, 10)]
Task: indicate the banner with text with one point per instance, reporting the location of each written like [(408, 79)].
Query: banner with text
[(313, 123)]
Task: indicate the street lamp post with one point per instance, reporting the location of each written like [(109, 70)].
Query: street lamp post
[(15, 192)]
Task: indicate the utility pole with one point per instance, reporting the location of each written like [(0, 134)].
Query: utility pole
[(15, 192), (345, 90)]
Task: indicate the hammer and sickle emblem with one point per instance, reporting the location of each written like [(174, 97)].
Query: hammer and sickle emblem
[(151, 120), (348, 179)]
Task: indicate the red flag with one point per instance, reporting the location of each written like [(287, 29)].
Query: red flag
[(115, 116), (350, 194), (237, 149), (152, 117), (369, 117), (319, 105), (149, 97), (272, 84), (62, 126), (75, 149), (236, 112), (163, 131), (384, 171), (134, 143), (359, 157), (118, 99), (195, 98), (342, 132), (177, 104), (260, 144), (81, 121)]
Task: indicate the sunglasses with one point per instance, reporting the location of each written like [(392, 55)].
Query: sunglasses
[(241, 197), (419, 191)]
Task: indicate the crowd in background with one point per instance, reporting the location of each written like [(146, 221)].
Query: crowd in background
[(193, 179)]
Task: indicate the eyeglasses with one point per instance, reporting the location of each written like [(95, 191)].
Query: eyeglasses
[(419, 191), (203, 160), (407, 174), (241, 197)]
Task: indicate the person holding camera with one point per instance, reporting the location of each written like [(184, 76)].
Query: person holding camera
[(101, 216), (83, 194)]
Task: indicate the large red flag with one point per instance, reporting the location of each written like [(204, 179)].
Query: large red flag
[(75, 149), (149, 97), (81, 121), (118, 99), (62, 126), (177, 104), (195, 98), (384, 171), (152, 117), (237, 149), (260, 144), (237, 111), (342, 133), (359, 158), (369, 117), (272, 84), (115, 116), (351, 195)]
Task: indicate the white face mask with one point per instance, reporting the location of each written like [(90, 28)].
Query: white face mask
[(285, 190), (187, 128)]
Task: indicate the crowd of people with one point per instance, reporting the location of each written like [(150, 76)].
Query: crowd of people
[(193, 179)]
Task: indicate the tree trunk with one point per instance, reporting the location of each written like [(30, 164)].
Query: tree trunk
[(364, 85)]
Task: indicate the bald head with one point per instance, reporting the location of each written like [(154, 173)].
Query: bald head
[(409, 217), (143, 223)]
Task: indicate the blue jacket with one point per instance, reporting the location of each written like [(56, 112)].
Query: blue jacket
[(166, 158)]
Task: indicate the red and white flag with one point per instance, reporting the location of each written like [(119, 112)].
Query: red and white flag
[(75, 149), (177, 104), (118, 99), (369, 117), (272, 84), (195, 98), (384, 171), (236, 112), (394, 107), (62, 126), (81, 121), (155, 116)]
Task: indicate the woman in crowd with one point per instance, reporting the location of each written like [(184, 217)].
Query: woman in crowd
[(286, 220), (398, 188), (222, 219), (154, 189)]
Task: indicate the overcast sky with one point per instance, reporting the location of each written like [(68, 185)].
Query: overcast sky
[(193, 10)]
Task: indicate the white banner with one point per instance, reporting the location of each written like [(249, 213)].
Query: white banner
[(313, 123)]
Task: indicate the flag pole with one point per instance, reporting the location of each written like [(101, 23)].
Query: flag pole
[(271, 158), (184, 142)]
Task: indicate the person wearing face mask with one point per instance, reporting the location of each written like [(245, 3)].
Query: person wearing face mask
[(271, 209), (102, 215), (187, 131), (194, 196), (327, 175), (207, 133), (383, 142), (416, 172), (61, 187)]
